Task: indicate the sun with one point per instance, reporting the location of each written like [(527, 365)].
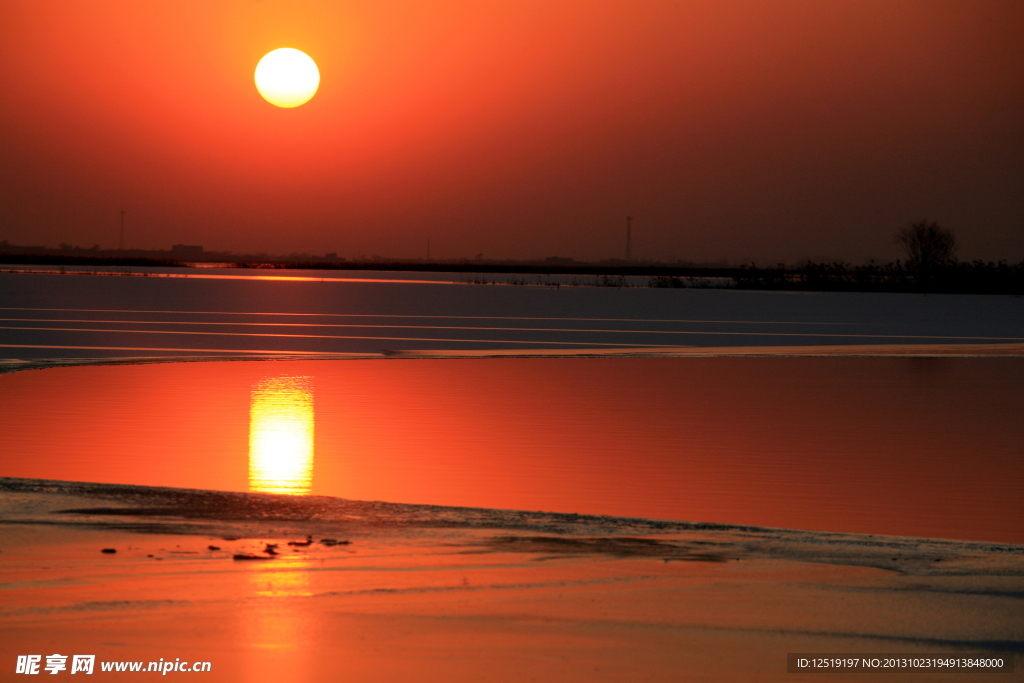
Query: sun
[(287, 77)]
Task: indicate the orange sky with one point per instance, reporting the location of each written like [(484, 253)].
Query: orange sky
[(769, 130)]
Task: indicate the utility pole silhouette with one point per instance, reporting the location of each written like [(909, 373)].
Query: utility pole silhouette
[(629, 238), (120, 244)]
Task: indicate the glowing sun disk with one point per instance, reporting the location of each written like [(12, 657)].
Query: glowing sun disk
[(287, 77)]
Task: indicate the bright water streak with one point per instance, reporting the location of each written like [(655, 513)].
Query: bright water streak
[(281, 435)]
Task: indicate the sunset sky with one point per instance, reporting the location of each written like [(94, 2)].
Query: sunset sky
[(730, 130)]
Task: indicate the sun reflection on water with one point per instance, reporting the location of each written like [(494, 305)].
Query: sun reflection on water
[(281, 435), (292, 581)]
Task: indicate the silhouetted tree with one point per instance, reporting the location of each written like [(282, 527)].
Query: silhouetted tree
[(926, 244)]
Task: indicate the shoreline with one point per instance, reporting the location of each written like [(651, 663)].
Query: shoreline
[(569, 599), (1008, 350), (241, 514)]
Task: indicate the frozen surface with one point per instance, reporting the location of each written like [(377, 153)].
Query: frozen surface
[(75, 316)]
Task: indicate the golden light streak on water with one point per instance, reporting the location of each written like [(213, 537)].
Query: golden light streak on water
[(281, 435), (289, 582)]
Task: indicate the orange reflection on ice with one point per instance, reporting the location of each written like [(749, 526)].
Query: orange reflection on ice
[(291, 581), (281, 435), (274, 630)]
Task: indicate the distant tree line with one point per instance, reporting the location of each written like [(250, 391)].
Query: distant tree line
[(977, 277), (930, 266)]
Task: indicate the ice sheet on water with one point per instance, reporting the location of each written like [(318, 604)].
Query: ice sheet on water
[(161, 316)]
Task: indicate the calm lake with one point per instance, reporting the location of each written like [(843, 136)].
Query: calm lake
[(919, 447)]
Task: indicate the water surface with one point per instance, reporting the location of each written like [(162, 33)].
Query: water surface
[(918, 447)]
